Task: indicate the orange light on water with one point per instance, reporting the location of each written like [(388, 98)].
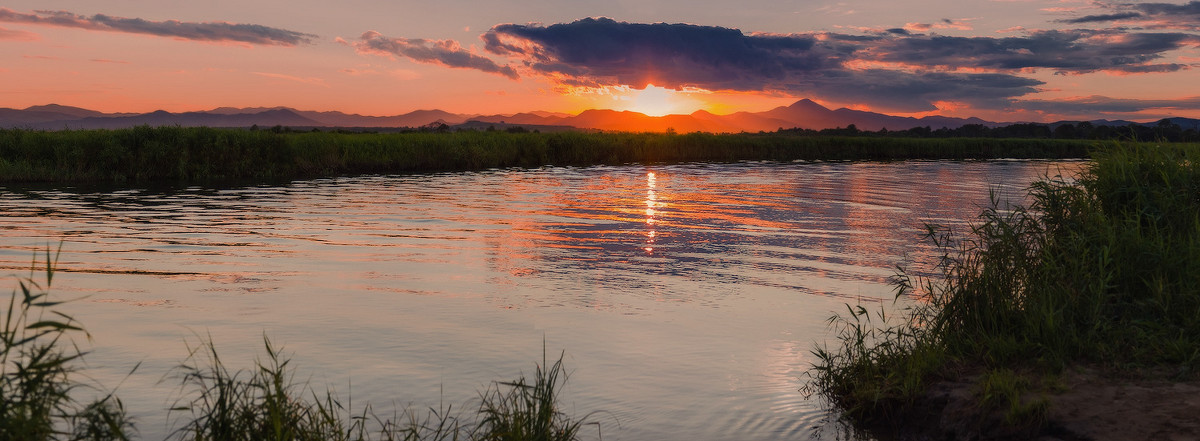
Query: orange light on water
[(651, 204)]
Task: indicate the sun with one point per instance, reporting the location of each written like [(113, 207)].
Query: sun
[(659, 101)]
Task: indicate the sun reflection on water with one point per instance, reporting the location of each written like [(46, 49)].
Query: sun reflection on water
[(651, 212)]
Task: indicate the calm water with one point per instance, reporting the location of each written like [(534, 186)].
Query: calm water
[(686, 298)]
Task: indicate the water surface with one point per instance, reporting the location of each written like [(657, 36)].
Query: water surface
[(686, 298)]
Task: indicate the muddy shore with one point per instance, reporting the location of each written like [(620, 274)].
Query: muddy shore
[(1084, 404)]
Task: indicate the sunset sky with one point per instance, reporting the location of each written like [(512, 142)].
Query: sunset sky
[(1002, 60)]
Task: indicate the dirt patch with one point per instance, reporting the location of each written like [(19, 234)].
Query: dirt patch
[(1084, 404), (1103, 407)]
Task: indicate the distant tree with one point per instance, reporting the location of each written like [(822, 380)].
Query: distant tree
[(920, 132), (1104, 132), (1085, 129), (1138, 132), (1022, 130), (1168, 131), (973, 131), (1191, 135), (1066, 131)]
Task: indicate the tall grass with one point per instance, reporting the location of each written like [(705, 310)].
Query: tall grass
[(1102, 268), (180, 154), (39, 364), (266, 404), (37, 372), (521, 410)]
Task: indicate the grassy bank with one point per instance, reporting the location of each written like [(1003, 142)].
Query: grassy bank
[(40, 368), (1101, 271), (178, 154)]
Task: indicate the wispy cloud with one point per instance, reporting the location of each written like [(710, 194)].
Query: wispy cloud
[(305, 80), (1103, 104), (447, 53), (945, 23), (1174, 16), (1101, 18), (9, 34), (403, 74), (197, 31)]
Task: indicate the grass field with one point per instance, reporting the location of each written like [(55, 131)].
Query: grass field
[(175, 154)]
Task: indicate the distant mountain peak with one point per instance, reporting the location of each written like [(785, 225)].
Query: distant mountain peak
[(64, 110), (241, 110), (280, 111), (54, 108), (807, 104)]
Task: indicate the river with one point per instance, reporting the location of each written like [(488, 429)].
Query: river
[(684, 299)]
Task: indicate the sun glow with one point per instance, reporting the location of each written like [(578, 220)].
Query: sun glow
[(659, 101)]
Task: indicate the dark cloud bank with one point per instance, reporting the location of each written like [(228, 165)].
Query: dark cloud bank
[(893, 69)]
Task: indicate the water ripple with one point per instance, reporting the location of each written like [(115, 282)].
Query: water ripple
[(686, 297)]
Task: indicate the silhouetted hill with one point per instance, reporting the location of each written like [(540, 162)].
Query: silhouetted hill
[(1186, 123), (269, 118), (804, 113), (77, 112)]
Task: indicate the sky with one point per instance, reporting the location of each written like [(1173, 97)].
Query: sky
[(1001, 60)]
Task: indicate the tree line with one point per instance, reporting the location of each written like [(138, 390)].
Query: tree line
[(1163, 130)]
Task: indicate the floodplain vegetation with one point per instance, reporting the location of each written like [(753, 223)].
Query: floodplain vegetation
[(1098, 272), (40, 391), (179, 154)]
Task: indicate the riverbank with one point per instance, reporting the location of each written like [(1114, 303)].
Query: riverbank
[(1047, 320), (176, 154)]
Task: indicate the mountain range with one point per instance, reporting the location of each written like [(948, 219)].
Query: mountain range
[(804, 114)]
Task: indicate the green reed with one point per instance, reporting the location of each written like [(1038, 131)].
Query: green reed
[(265, 404), (38, 372), (179, 154), (1102, 268), (521, 410)]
